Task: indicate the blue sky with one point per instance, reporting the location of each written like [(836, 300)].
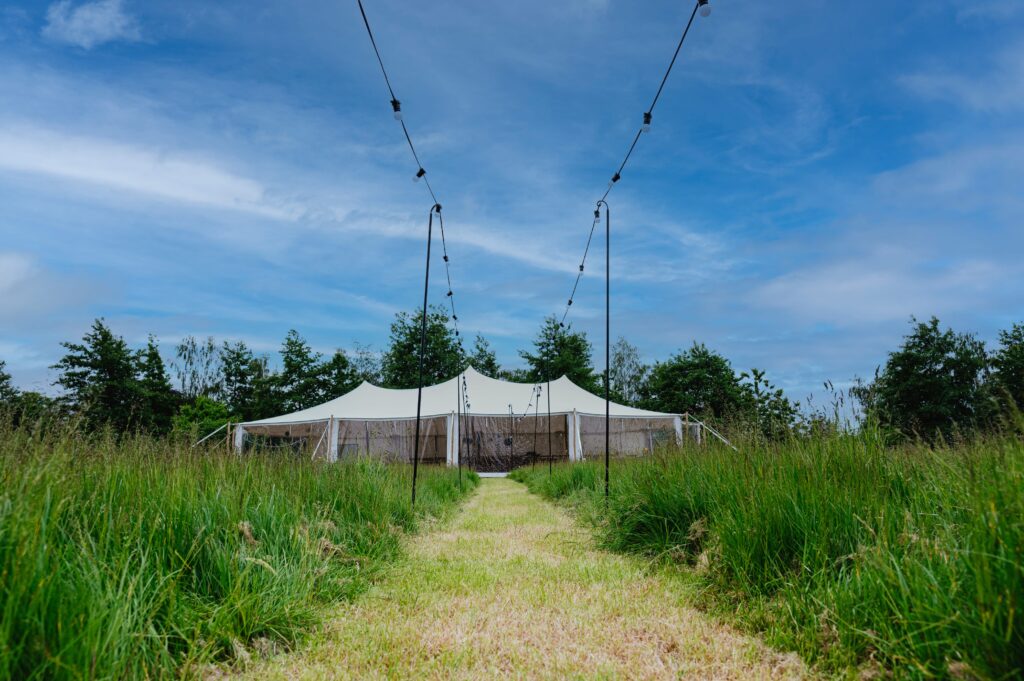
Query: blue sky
[(817, 172)]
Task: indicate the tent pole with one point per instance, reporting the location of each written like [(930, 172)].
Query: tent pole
[(550, 464), (423, 352), (458, 428), (607, 334), (511, 437), (536, 417)]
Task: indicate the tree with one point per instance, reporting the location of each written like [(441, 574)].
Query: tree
[(366, 363), (8, 393), (561, 351), (338, 376), (932, 385), (99, 377), (483, 358), (774, 415), (301, 382), (198, 367), (201, 416), (443, 359), (160, 400), (240, 372), (1008, 365), (627, 372), (698, 381)]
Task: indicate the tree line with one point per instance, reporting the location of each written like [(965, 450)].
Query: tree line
[(936, 384)]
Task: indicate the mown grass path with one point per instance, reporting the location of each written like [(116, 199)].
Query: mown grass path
[(513, 587)]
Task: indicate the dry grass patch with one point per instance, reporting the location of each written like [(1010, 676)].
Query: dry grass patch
[(514, 588)]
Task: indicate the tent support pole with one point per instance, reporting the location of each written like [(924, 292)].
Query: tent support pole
[(458, 430), (423, 352), (550, 457), (607, 335), (536, 418)]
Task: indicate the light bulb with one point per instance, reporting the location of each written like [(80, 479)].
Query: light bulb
[(705, 9), (396, 106), (646, 127), (419, 173)]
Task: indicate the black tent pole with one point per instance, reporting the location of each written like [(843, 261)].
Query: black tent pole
[(607, 334), (423, 352)]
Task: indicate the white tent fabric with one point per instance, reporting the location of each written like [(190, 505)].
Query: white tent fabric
[(374, 409)]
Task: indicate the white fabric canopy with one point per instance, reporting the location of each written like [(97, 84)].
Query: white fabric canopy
[(375, 420), (486, 396)]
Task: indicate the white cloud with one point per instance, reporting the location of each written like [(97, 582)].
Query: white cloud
[(997, 89), (864, 290), (133, 168), (89, 24)]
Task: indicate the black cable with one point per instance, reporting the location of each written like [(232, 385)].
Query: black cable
[(421, 173), (629, 153)]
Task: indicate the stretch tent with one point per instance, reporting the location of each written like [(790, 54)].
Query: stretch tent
[(505, 425)]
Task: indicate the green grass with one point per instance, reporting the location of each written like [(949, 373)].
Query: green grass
[(140, 558), (850, 553)]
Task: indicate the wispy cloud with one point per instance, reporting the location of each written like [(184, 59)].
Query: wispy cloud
[(120, 166), (90, 24)]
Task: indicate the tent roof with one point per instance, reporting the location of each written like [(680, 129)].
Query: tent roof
[(486, 396)]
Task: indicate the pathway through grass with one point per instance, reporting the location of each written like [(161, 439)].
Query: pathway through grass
[(514, 587)]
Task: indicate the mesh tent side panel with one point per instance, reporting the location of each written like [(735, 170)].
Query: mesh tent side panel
[(627, 436), (501, 443), (392, 441)]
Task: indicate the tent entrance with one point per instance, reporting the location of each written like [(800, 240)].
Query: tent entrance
[(494, 444)]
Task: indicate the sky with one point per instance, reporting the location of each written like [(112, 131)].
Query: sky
[(817, 173)]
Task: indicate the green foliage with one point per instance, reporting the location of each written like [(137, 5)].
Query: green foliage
[(111, 386), (840, 548), (246, 385), (628, 373), (932, 386), (202, 416), (160, 402), (443, 358), (1008, 365), (561, 351), (197, 367), (8, 393), (135, 558), (774, 416), (483, 358), (698, 381)]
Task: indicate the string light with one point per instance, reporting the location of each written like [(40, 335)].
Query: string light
[(419, 175), (396, 106), (704, 8)]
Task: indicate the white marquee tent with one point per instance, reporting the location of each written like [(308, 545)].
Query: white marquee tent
[(506, 424)]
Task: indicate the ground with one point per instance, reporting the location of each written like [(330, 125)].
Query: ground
[(514, 587)]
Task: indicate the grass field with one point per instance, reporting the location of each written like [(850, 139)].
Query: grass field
[(138, 558), (856, 556)]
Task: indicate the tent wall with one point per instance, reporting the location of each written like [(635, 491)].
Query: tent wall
[(501, 443), (627, 436)]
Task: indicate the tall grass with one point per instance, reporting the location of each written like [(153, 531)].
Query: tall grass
[(131, 558), (852, 554)]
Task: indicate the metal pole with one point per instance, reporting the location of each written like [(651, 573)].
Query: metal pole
[(511, 425), (458, 429), (536, 418), (549, 426), (423, 352), (607, 334)]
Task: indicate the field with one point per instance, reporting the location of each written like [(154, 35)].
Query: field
[(138, 558), (857, 556)]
